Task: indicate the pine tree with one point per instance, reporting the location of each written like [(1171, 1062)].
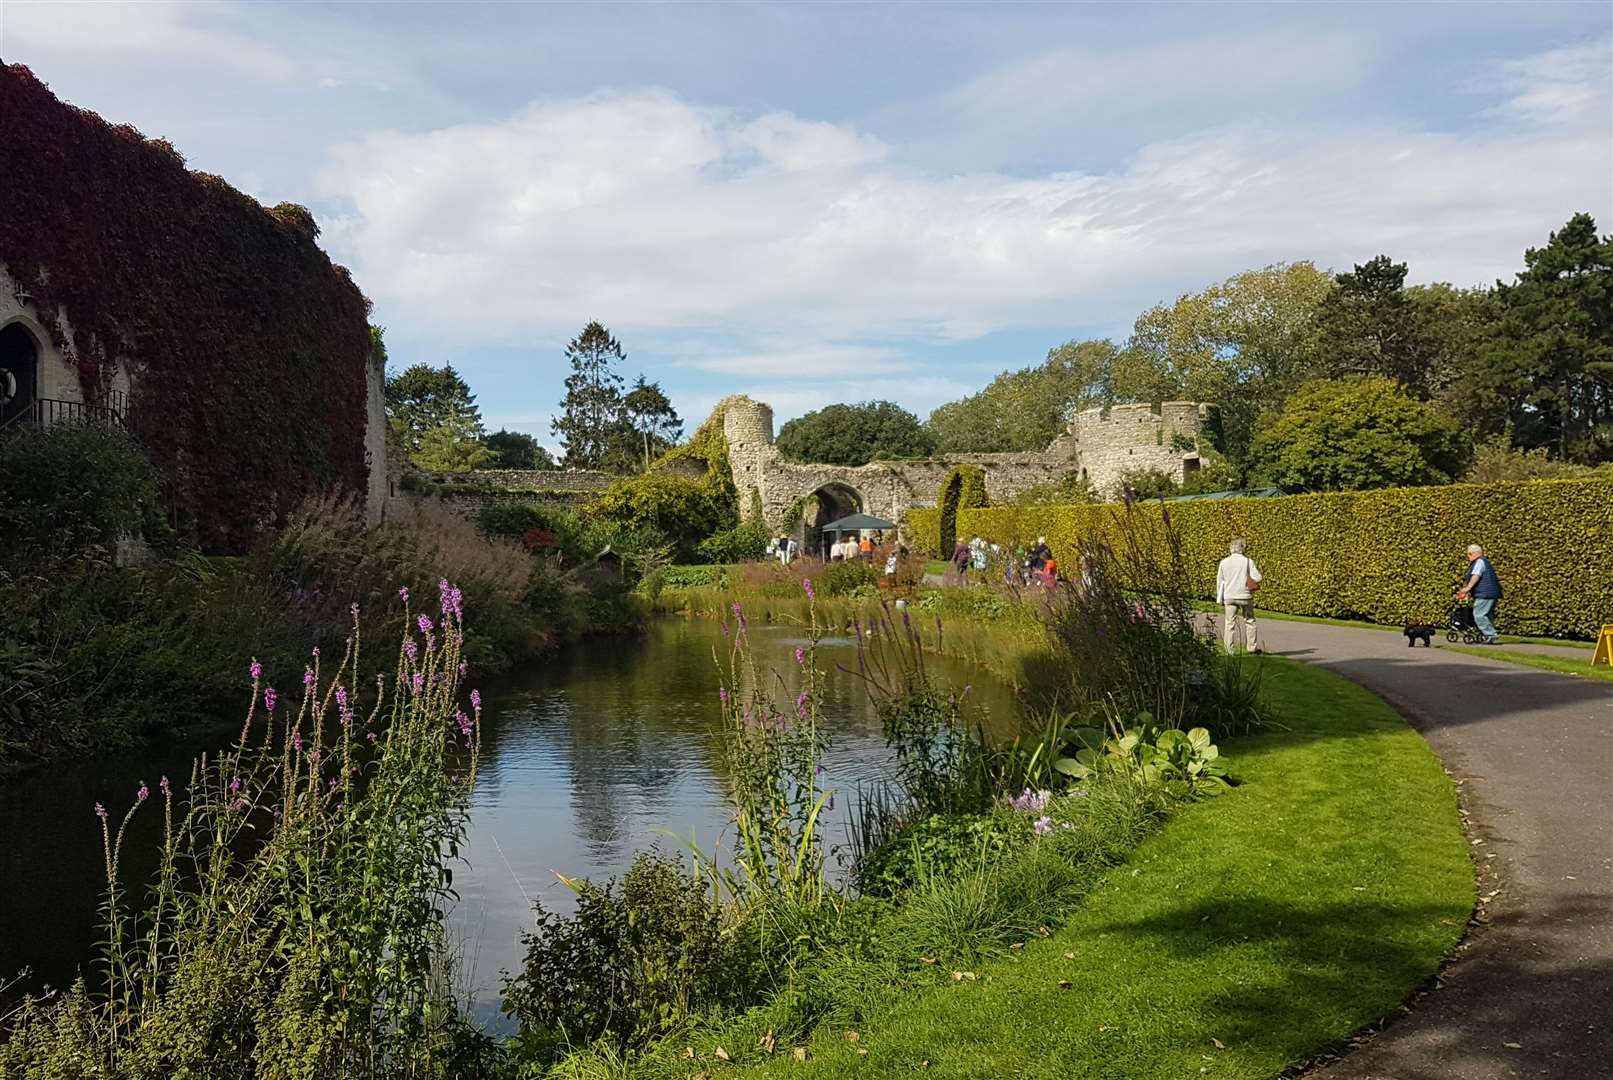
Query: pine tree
[(423, 398), (1554, 357), (1367, 326), (592, 414)]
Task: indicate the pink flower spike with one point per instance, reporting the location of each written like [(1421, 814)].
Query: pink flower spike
[(144, 793), (255, 670), (476, 700)]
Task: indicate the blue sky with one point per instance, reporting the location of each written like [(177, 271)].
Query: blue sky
[(813, 203)]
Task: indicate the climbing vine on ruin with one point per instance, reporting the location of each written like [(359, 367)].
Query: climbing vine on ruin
[(246, 344)]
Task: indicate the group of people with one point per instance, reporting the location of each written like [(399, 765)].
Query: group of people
[(851, 546), (1034, 567), (783, 549)]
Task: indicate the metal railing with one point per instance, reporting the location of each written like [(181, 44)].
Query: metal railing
[(48, 412)]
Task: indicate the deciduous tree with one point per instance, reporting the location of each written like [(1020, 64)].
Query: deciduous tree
[(1362, 431), (516, 450), (855, 434), (1027, 409)]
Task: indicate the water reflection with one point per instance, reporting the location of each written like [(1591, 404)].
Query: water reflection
[(588, 757)]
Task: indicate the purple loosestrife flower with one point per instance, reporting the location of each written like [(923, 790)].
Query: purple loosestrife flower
[(800, 656), (163, 784), (476, 700), (736, 609), (313, 756), (235, 784), (144, 793), (341, 696), (424, 624), (464, 669), (100, 811), (296, 741), (419, 682), (724, 623), (464, 722), (722, 694), (316, 652), (269, 698), (410, 649), (255, 669), (308, 678), (801, 704), (806, 586), (403, 594)]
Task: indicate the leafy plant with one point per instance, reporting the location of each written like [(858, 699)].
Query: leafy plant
[(1185, 763)]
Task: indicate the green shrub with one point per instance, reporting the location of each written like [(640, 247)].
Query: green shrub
[(694, 576), (1389, 555), (852, 577), (941, 844), (745, 541), (634, 961), (963, 488), (69, 489)]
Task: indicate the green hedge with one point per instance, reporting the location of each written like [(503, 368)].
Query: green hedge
[(1388, 556), (963, 488)]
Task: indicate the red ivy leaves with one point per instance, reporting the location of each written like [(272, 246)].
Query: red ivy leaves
[(247, 345)]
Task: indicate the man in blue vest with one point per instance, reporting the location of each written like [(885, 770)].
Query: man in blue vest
[(1485, 589)]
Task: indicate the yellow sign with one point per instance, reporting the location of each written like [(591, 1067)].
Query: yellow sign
[(1604, 647)]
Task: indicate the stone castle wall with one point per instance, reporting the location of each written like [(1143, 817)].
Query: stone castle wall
[(1101, 444)]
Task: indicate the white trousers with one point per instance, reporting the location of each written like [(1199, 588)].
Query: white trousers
[(1238, 627)]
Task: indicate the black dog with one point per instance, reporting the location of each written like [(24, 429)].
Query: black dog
[(1420, 630)]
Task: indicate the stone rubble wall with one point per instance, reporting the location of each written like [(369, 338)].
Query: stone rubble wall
[(1103, 444)]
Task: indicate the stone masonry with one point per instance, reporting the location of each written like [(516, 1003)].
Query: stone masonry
[(1100, 444)]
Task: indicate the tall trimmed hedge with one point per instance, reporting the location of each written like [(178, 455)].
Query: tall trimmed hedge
[(1389, 556), (963, 488)]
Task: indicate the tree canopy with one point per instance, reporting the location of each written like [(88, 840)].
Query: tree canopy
[(1361, 431), (1243, 344), (1025, 410), (422, 399), (855, 434), (516, 450), (651, 417), (591, 412)]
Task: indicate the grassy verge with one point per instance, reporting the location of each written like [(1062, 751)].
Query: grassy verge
[(1511, 639), (1252, 932), (1566, 665)]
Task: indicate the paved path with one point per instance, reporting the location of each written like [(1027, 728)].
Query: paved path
[(1533, 753)]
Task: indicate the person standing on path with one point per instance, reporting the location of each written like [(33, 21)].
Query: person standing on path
[(1236, 579), (1485, 589)]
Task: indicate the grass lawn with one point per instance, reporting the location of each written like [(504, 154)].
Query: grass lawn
[(1565, 664), (1253, 931)]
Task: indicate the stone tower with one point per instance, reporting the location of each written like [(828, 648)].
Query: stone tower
[(748, 427)]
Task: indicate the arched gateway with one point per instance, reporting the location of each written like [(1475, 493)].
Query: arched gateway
[(1099, 443)]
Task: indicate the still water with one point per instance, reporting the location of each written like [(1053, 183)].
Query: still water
[(596, 752)]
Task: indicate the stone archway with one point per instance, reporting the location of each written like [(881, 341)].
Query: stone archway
[(835, 501), (19, 374)]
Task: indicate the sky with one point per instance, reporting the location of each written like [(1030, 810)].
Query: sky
[(813, 203)]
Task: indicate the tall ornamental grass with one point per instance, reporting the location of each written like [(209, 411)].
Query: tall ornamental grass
[(294, 927)]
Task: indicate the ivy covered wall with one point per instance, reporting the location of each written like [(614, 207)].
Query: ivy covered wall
[(245, 345)]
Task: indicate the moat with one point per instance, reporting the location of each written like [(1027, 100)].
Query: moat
[(601, 750)]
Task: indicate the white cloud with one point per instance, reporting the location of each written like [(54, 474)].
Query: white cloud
[(649, 212), (160, 31), (1561, 85)]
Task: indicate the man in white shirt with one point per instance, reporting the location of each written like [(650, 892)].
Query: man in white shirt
[(1236, 579)]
